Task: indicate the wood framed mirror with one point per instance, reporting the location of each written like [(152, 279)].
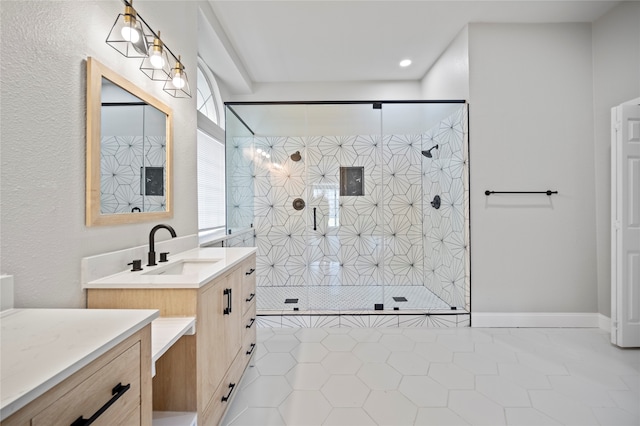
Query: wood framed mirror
[(129, 151)]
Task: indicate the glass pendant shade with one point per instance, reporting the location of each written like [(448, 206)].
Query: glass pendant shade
[(178, 85), (127, 35), (156, 65)]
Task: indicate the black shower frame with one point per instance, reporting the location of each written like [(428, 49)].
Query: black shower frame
[(378, 105)]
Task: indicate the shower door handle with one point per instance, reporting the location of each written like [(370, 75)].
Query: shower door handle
[(315, 228)]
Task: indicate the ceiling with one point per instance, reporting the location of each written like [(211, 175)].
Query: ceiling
[(336, 40)]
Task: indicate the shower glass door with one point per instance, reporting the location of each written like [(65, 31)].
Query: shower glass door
[(344, 213), (354, 206)]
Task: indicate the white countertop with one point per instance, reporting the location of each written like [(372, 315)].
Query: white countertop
[(165, 331), (42, 347), (226, 258)]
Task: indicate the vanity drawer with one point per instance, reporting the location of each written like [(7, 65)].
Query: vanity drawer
[(249, 326), (117, 382), (221, 400), (249, 318), (248, 283)]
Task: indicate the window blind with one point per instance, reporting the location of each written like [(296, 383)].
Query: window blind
[(211, 183)]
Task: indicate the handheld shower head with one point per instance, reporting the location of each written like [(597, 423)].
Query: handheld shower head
[(427, 153)]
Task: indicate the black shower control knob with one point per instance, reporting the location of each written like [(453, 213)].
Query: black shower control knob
[(298, 204), (436, 202)]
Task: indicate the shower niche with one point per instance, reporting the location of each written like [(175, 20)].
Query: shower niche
[(367, 237), (351, 181)]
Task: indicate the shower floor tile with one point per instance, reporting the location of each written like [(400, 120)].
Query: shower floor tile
[(348, 298)]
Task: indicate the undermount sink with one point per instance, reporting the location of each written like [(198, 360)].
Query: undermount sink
[(183, 267)]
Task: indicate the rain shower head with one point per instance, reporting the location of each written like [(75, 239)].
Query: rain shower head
[(296, 156), (427, 153)]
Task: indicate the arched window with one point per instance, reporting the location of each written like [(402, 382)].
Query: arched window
[(209, 101)]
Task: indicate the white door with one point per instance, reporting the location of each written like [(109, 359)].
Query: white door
[(625, 217)]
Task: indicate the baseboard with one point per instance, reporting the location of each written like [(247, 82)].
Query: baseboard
[(537, 319), (604, 323)]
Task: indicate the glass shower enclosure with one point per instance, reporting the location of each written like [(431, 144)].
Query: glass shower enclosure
[(353, 206)]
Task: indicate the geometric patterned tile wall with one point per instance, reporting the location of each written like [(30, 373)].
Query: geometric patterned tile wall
[(446, 236), (389, 236)]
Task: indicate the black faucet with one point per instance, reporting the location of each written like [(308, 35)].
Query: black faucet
[(152, 242)]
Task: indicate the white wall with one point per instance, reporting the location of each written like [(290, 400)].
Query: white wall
[(448, 78), (530, 130), (44, 48), (341, 91), (616, 79)]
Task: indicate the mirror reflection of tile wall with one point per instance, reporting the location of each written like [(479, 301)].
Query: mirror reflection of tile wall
[(122, 161), (132, 142)]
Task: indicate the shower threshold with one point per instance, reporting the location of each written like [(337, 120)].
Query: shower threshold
[(348, 298), (355, 306)]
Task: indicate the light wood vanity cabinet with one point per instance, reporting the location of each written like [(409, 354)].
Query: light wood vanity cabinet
[(200, 372), (220, 340), (118, 382), (240, 342)]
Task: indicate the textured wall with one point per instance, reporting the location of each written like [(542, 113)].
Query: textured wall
[(44, 48)]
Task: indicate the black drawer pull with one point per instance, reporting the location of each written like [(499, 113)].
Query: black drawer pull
[(117, 392), (251, 322), (231, 386), (250, 351), (227, 292), (251, 271), (251, 296)]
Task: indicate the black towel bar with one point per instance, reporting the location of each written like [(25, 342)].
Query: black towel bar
[(548, 192)]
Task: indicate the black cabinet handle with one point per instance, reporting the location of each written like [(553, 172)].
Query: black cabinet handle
[(251, 271), (117, 392), (251, 296), (231, 386), (227, 292), (250, 351), (251, 323)]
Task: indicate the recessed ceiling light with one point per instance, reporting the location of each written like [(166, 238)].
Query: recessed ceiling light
[(405, 63)]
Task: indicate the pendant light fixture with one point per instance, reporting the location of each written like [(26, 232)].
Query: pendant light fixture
[(134, 38), (156, 65), (178, 85), (127, 35)]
